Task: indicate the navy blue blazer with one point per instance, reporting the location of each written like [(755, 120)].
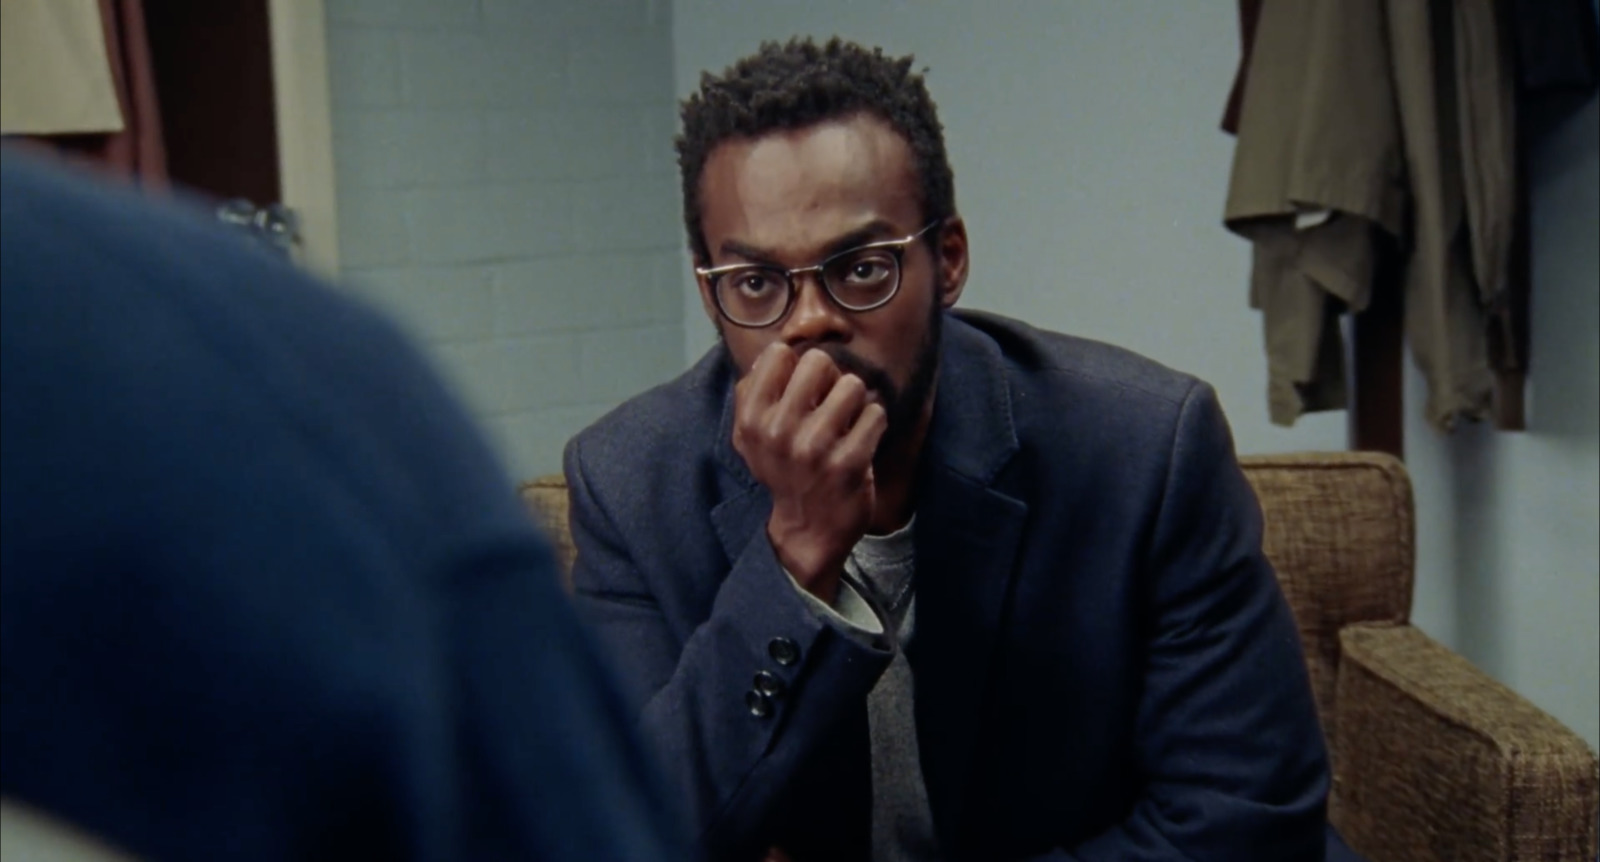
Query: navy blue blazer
[(1105, 667), (267, 594)]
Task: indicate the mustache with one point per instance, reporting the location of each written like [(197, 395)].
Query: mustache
[(875, 378)]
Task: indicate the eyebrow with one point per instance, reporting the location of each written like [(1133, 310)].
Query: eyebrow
[(872, 231)]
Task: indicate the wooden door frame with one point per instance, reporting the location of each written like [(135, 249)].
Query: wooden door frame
[(305, 127)]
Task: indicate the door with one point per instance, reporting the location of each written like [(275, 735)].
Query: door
[(243, 90)]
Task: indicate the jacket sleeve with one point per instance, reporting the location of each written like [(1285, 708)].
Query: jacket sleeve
[(728, 750), (1227, 733)]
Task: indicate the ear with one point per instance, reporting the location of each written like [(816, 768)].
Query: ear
[(951, 252)]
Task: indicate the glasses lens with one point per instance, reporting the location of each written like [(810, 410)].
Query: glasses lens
[(752, 296), (863, 279)]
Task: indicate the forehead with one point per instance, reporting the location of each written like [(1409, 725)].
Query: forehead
[(795, 191)]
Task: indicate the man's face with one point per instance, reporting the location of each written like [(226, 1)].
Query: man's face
[(794, 198)]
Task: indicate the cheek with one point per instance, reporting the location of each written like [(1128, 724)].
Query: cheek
[(893, 343), (743, 345)]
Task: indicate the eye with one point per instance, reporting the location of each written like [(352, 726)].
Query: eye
[(867, 270), (754, 283)]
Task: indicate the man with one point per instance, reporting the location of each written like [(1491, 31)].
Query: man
[(898, 583), (266, 594)]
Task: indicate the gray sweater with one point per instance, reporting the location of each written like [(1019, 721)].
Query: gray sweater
[(878, 596)]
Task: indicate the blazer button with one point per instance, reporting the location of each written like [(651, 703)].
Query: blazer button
[(783, 651), (769, 684), (760, 705)]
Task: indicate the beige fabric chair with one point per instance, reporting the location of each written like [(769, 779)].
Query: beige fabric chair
[(1432, 759)]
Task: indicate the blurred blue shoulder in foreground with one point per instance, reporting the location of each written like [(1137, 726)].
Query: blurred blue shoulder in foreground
[(266, 592)]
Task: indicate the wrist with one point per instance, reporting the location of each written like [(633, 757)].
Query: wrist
[(815, 564)]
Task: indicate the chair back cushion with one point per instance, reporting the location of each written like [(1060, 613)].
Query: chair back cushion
[(546, 498), (1339, 533)]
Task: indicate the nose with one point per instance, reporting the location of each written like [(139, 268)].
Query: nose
[(815, 318)]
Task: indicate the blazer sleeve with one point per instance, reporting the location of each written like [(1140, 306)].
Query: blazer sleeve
[(727, 750), (1227, 733)]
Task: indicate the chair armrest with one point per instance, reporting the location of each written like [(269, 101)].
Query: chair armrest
[(1436, 761), (546, 499)]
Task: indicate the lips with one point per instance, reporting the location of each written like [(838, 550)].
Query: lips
[(875, 378)]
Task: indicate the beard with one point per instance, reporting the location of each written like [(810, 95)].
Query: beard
[(903, 406)]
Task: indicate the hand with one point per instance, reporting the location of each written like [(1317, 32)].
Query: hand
[(776, 854), (808, 433)]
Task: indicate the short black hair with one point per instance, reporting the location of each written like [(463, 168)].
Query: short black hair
[(797, 84)]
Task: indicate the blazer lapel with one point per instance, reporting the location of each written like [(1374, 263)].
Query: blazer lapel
[(738, 518), (966, 545)]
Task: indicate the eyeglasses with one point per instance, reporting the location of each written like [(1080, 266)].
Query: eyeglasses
[(860, 279)]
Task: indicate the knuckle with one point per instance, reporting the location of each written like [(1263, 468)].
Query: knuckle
[(782, 359), (819, 367), (804, 371), (827, 366), (853, 386), (744, 425), (842, 467), (744, 443), (806, 448), (773, 435)]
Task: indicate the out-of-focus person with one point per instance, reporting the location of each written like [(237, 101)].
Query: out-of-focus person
[(267, 595)]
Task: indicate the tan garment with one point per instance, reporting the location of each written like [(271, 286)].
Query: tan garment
[(135, 149), (55, 77), (1391, 120)]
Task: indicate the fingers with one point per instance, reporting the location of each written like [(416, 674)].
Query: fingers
[(768, 378), (814, 375), (756, 394), (802, 410), (855, 450), (819, 432), (779, 395)]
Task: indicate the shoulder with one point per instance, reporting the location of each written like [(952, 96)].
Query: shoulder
[(1086, 415), (160, 274), (177, 334), (1102, 435), (669, 430), (1074, 379)]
